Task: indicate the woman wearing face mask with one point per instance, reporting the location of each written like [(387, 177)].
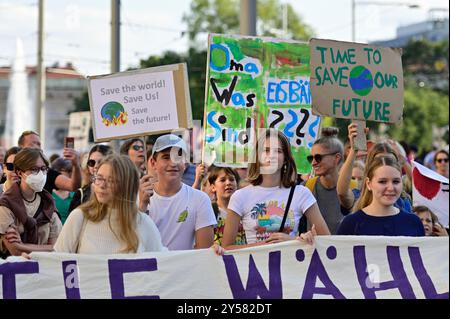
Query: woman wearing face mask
[(28, 219)]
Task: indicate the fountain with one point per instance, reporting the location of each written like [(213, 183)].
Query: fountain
[(19, 109)]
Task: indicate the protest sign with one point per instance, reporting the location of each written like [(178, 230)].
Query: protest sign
[(431, 190), (339, 267), (79, 126), (356, 81), (256, 83), (140, 102)]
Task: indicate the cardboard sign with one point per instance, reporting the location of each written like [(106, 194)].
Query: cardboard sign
[(431, 190), (256, 83), (142, 102), (356, 81), (79, 126)]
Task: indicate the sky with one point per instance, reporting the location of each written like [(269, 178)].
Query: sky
[(79, 31)]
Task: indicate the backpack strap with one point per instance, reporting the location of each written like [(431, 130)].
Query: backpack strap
[(288, 205)]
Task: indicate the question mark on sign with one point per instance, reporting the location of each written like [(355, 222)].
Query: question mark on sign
[(301, 125), (312, 133)]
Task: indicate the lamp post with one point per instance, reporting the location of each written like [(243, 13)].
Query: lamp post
[(354, 3)]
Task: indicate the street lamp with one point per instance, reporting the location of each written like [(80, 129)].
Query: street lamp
[(354, 3)]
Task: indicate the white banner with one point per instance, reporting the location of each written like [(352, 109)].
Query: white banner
[(431, 190), (335, 267)]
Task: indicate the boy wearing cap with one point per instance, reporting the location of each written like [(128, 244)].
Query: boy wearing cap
[(183, 215)]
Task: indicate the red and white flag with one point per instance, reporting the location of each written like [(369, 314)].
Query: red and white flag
[(431, 190)]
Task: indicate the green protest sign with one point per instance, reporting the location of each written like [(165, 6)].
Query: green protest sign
[(256, 83), (356, 81)]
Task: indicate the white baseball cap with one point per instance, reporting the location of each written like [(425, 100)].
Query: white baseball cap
[(167, 141)]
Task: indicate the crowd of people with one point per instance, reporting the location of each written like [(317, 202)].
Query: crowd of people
[(104, 202)]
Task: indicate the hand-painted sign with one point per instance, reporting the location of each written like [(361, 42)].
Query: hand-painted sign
[(140, 102), (356, 81), (339, 267), (257, 83)]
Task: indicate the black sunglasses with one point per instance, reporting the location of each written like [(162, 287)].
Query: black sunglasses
[(91, 163), (440, 160), (9, 166), (318, 157), (138, 147)]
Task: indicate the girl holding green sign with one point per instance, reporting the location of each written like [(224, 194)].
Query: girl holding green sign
[(270, 208)]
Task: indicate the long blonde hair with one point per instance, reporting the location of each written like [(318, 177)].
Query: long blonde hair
[(366, 196), (124, 189), (289, 173)]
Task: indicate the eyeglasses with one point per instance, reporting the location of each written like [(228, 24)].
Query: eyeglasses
[(137, 147), (91, 163), (440, 160), (100, 180), (36, 170), (318, 157), (9, 166)]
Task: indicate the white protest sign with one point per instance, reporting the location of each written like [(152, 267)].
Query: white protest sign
[(79, 125), (141, 102), (431, 190), (339, 267)]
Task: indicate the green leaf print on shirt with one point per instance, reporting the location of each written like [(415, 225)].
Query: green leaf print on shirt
[(183, 216)]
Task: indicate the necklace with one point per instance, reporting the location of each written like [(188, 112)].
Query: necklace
[(28, 201)]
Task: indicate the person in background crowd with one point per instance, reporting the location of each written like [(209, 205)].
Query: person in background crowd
[(183, 215), (374, 213), (261, 206), (358, 173), (53, 157), (441, 162), (224, 182), (96, 154), (326, 156), (85, 175), (134, 149), (28, 218), (62, 198), (242, 172), (378, 149), (109, 223), (428, 160), (54, 179), (8, 169), (430, 221)]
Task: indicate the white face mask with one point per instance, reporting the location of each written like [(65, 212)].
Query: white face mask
[(36, 182)]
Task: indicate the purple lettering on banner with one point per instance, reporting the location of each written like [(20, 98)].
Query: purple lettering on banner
[(118, 267), (255, 284), (316, 270), (9, 271), (400, 280), (71, 281), (421, 273)]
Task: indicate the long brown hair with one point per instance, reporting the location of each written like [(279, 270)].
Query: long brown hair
[(366, 196), (26, 159), (124, 189), (289, 174)]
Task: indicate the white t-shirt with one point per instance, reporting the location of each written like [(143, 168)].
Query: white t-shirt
[(98, 238), (178, 217), (262, 209)]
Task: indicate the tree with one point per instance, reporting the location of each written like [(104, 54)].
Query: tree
[(196, 63), (222, 16)]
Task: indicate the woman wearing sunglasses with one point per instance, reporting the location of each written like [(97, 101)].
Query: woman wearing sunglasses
[(326, 156), (261, 206), (28, 218), (134, 149), (96, 154), (441, 162), (8, 169)]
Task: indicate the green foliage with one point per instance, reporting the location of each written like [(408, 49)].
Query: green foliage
[(196, 62), (222, 16), (424, 108), (82, 103)]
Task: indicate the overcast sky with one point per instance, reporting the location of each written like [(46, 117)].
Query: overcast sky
[(79, 31)]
